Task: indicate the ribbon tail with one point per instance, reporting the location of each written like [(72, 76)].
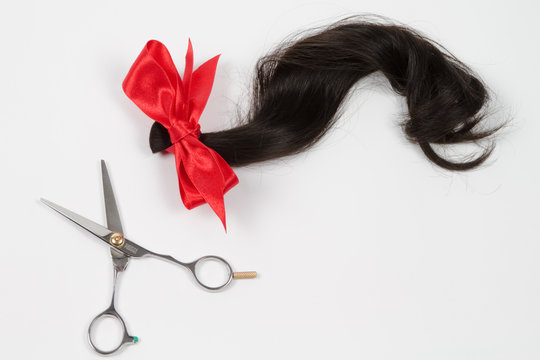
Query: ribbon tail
[(200, 178)]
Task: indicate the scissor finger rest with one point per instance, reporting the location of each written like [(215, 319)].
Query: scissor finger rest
[(126, 338)]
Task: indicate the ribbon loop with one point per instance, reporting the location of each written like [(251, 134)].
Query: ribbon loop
[(154, 85)]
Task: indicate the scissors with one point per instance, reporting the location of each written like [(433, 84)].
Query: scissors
[(123, 249)]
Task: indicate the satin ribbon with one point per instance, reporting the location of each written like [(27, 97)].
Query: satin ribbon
[(154, 85)]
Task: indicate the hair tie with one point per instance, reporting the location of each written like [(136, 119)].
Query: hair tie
[(154, 85)]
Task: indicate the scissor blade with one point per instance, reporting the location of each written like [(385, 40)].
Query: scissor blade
[(113, 217), (120, 260), (87, 224)]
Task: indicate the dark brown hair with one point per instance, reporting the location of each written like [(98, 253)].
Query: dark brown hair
[(300, 86)]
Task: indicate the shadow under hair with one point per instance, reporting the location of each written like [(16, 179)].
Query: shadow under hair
[(300, 86)]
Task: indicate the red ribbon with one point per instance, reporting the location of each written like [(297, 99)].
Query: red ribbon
[(154, 85)]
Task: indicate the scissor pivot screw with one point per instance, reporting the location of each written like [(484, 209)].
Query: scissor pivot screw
[(117, 240)]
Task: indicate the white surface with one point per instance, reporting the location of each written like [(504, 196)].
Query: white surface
[(365, 249)]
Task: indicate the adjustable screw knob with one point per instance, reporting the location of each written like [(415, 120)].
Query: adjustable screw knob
[(117, 240)]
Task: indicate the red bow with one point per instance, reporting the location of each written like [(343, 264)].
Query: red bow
[(154, 85)]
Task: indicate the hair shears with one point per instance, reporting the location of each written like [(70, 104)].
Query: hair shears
[(123, 249)]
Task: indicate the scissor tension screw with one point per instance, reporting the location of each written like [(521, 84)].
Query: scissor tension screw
[(117, 240)]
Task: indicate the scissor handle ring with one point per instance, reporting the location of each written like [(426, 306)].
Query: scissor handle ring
[(126, 338), (193, 268)]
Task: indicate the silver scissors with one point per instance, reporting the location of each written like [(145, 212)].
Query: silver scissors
[(123, 249)]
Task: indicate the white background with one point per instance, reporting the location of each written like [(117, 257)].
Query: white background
[(365, 250)]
